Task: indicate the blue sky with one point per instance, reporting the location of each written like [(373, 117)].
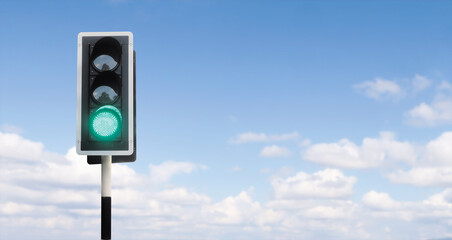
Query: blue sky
[(255, 120)]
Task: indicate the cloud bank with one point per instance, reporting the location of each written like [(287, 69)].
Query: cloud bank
[(51, 196)]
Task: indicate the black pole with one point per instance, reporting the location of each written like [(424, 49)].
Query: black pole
[(106, 218)]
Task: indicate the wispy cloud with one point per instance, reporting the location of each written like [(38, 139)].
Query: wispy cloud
[(444, 85), (383, 89), (235, 169), (232, 118), (275, 151), (420, 83), (166, 170), (380, 88), (8, 128)]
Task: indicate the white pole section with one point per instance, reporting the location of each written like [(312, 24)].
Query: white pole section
[(106, 176), (106, 198)]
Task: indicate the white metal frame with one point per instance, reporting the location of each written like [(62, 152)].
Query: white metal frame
[(79, 93)]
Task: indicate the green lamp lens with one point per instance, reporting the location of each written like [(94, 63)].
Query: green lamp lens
[(105, 123)]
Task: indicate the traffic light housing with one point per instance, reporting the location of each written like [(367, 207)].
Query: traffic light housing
[(106, 96)]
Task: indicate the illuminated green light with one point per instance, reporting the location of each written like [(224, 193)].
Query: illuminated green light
[(105, 123)]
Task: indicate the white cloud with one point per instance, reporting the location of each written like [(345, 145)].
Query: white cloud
[(323, 217), (381, 205), (423, 176), (182, 196), (428, 165), (12, 208), (423, 114), (64, 171), (436, 113), (434, 167), (275, 151), (380, 88), (330, 212), (166, 170), (233, 210), (444, 199), (380, 201), (373, 152), (13, 145), (262, 137), (438, 151), (329, 183)]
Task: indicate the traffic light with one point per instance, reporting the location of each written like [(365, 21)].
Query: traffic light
[(106, 96)]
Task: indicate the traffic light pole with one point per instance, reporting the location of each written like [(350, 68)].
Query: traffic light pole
[(106, 198), (106, 112)]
